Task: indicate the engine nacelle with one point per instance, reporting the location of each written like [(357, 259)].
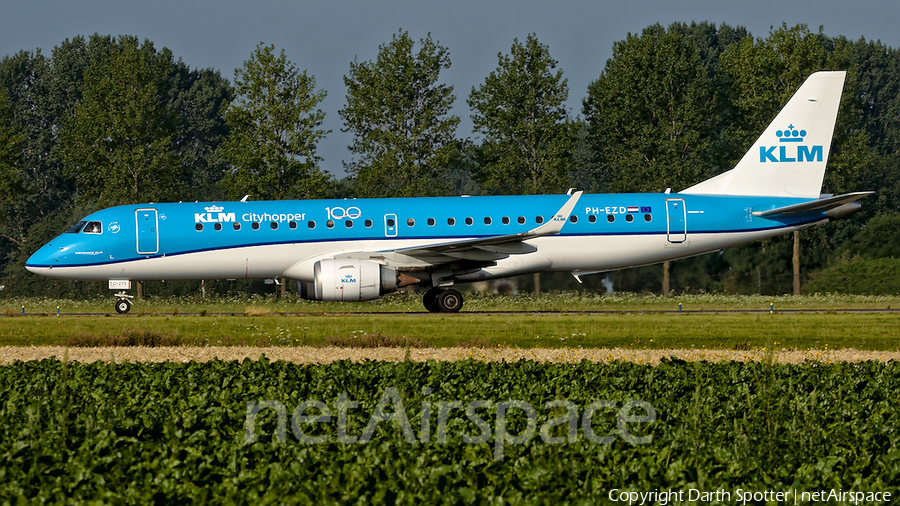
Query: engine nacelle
[(349, 279), (843, 211)]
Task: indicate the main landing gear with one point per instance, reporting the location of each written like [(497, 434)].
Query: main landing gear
[(123, 305), (438, 300)]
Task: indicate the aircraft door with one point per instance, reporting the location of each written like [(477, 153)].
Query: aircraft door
[(390, 225), (676, 219), (147, 227)]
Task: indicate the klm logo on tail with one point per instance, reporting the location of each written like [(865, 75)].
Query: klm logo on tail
[(791, 148)]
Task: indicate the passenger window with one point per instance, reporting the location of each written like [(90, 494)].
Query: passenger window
[(255, 225), (293, 225), (391, 222), (573, 218), (329, 223), (273, 225), (348, 223), (592, 218), (521, 220), (430, 222), (648, 218), (410, 222), (311, 224), (217, 226), (368, 223), (629, 218), (93, 227), (505, 220), (469, 221), (199, 227), (451, 221), (538, 219), (487, 220), (610, 218), (237, 226)]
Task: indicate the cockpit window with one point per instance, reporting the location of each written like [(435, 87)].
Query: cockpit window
[(93, 227), (76, 227)]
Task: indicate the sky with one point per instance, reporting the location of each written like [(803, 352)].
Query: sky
[(324, 37)]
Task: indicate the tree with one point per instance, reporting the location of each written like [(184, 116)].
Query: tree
[(275, 127), (403, 134), (44, 95), (763, 75), (655, 115), (192, 100), (197, 100), (24, 77), (117, 146), (520, 110), (651, 114), (11, 141), (878, 82), (711, 41)]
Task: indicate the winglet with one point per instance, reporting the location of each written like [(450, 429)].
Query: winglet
[(559, 219)]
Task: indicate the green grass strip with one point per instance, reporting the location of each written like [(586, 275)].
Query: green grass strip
[(866, 331)]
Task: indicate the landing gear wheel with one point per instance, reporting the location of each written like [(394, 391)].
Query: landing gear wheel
[(430, 300), (123, 306), (450, 301)]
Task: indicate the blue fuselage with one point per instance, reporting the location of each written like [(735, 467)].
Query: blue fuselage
[(267, 238)]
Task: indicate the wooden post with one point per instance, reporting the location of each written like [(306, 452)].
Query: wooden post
[(537, 285), (796, 260), (140, 290), (758, 280), (665, 287)]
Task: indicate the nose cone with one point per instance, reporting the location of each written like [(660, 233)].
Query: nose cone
[(44, 259)]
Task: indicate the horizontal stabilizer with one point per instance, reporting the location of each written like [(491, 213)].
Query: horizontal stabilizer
[(812, 206)]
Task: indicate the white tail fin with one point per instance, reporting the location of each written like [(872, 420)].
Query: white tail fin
[(789, 158)]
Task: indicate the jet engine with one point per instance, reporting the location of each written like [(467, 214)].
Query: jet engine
[(349, 279)]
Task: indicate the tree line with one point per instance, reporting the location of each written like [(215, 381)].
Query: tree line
[(110, 120)]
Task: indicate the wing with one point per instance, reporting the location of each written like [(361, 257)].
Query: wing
[(482, 249)]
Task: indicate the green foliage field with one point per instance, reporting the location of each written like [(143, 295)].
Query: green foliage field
[(175, 433)]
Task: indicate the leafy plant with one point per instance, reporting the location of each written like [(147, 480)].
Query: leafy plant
[(175, 432)]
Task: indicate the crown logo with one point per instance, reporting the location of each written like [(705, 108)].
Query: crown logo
[(790, 135), (214, 209)]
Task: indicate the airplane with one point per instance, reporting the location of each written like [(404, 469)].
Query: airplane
[(361, 249)]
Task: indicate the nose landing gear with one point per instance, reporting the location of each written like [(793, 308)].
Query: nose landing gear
[(123, 305), (438, 300)]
